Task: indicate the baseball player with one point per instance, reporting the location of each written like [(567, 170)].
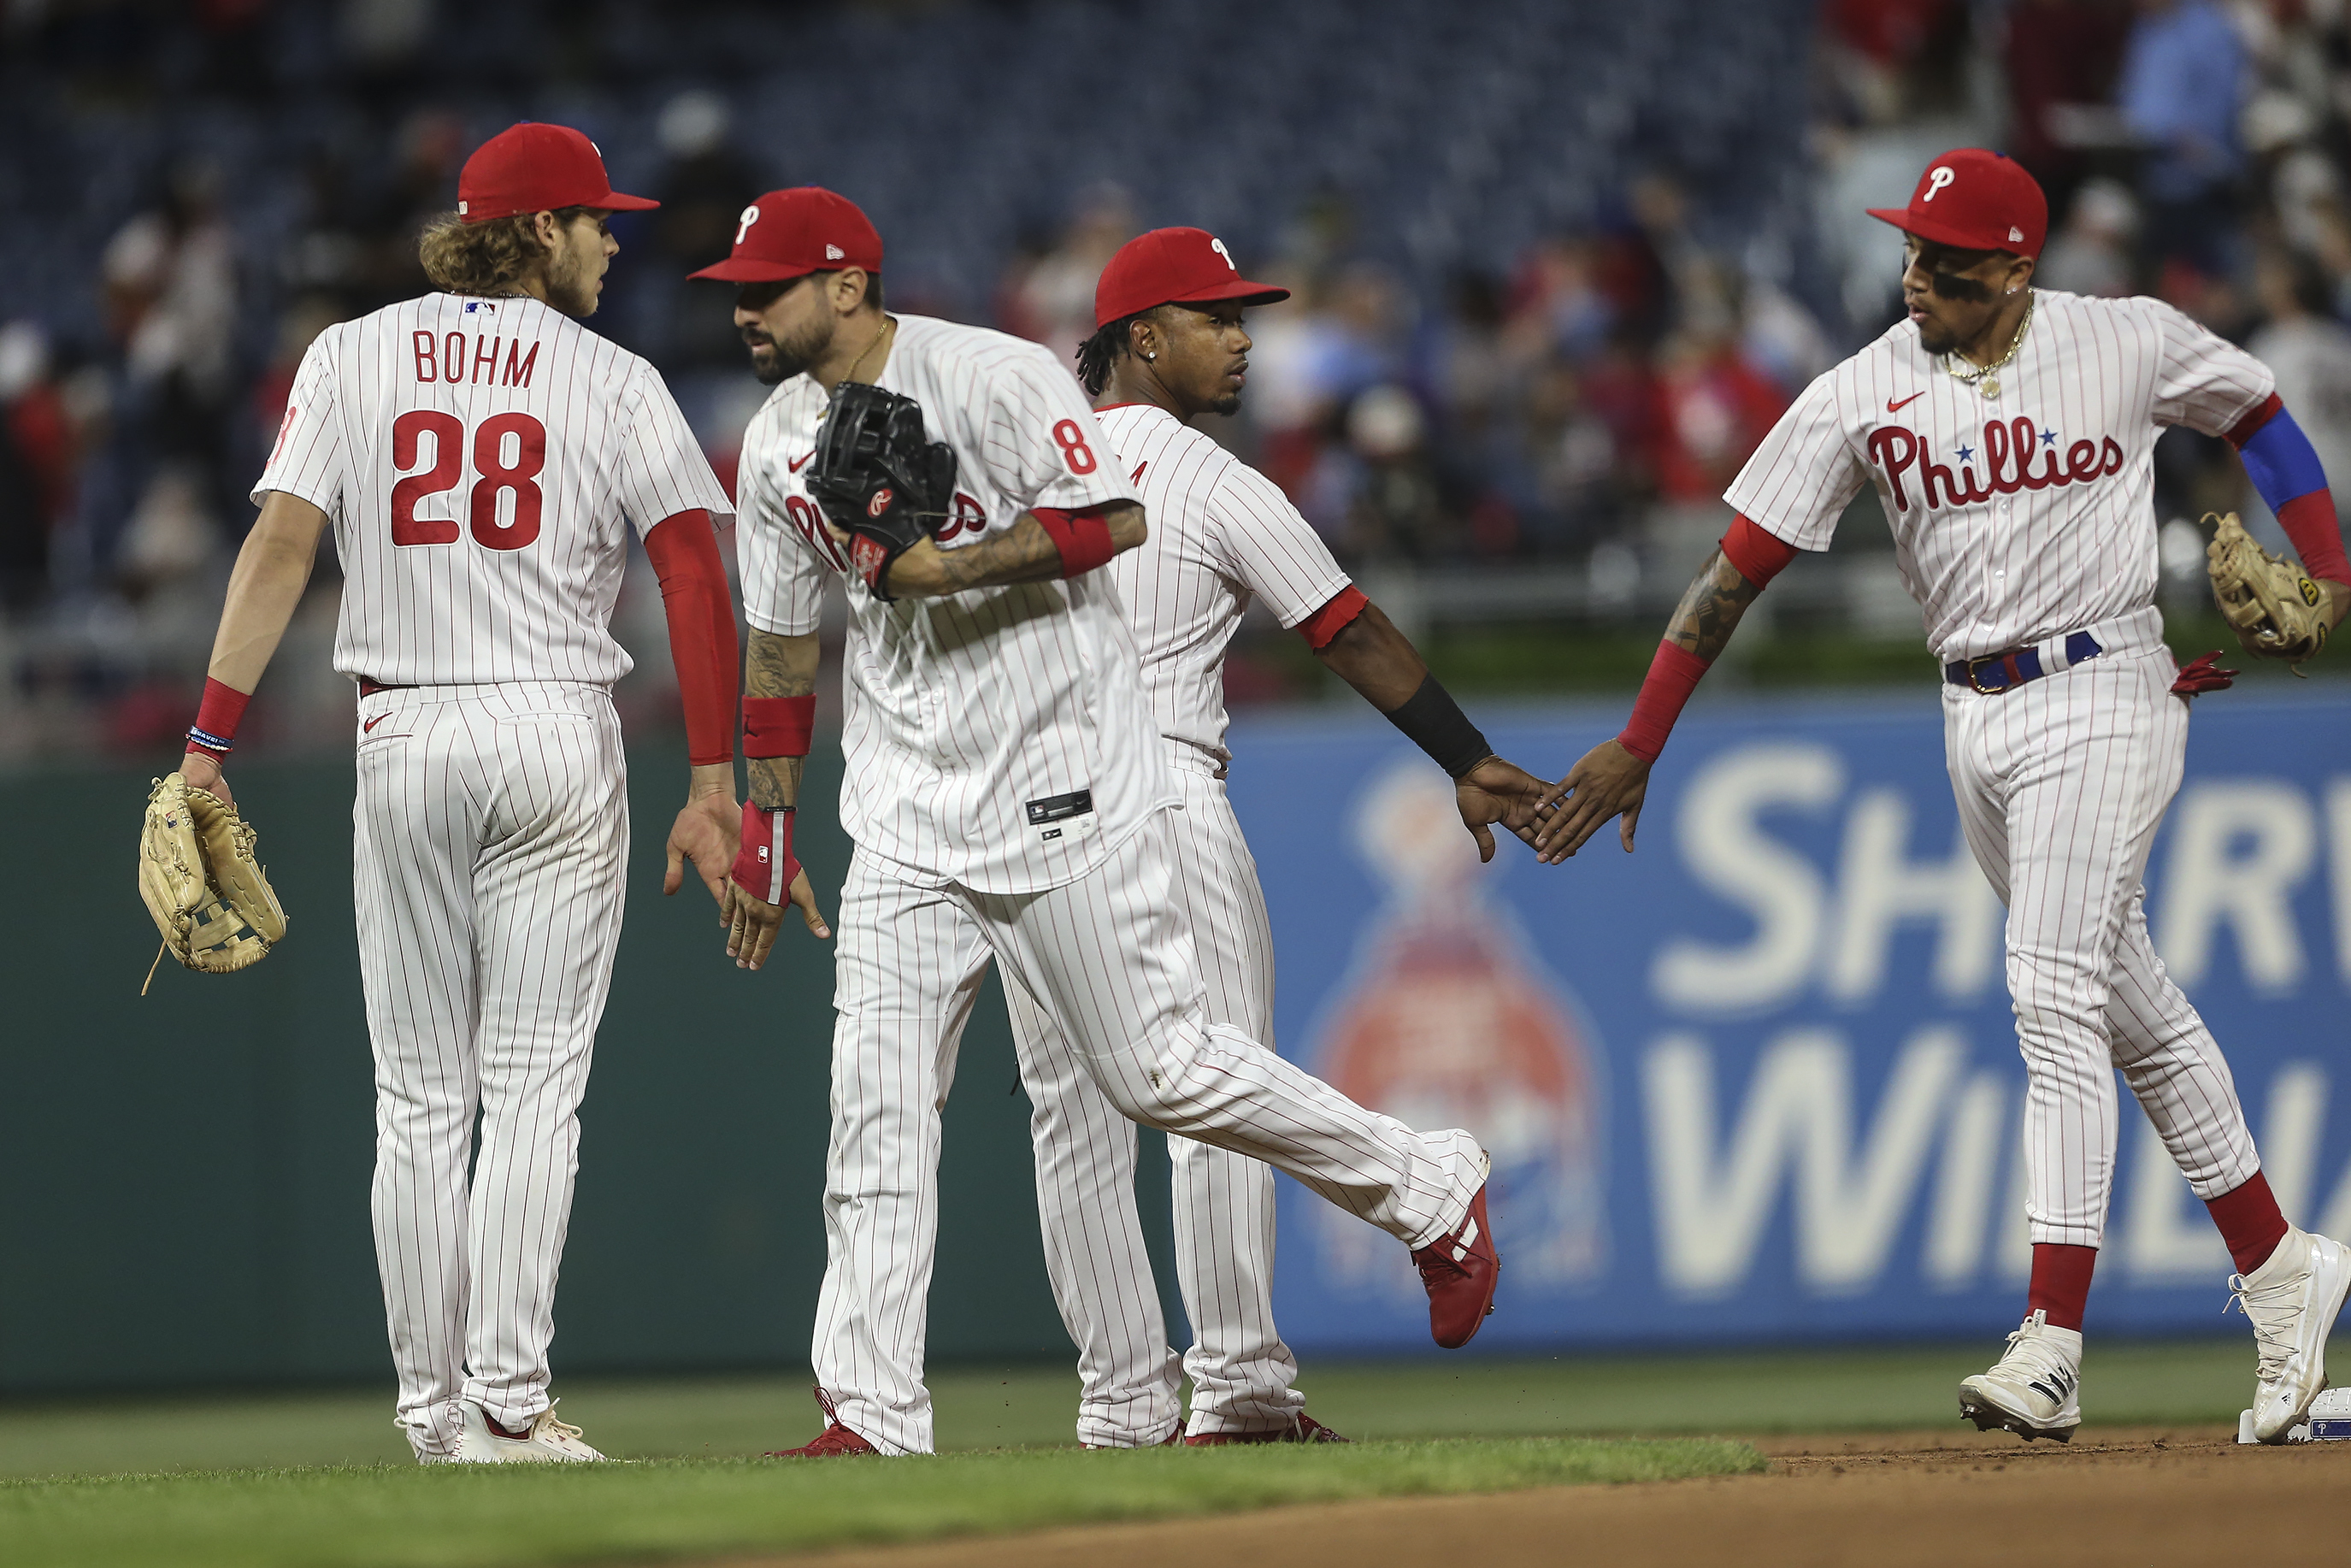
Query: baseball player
[(481, 456), (2010, 432), (1169, 347), (1004, 790)]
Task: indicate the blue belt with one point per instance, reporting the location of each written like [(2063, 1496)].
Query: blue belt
[(2012, 667)]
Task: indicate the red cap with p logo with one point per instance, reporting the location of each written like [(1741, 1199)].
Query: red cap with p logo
[(1174, 266), (1975, 200), (789, 233)]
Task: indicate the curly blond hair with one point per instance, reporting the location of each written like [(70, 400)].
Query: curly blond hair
[(485, 257)]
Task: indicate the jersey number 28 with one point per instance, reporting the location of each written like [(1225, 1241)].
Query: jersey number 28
[(448, 434)]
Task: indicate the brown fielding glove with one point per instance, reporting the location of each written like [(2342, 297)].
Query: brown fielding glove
[(197, 872), (2277, 610)]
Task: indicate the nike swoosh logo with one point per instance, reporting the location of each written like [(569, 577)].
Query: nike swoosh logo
[(1893, 407), (371, 724), (1136, 477), (803, 460)]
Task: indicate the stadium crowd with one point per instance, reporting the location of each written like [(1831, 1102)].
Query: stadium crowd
[(1578, 399)]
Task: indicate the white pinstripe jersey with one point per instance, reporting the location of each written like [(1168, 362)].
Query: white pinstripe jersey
[(971, 720), (1221, 533), (478, 458), (2019, 518)]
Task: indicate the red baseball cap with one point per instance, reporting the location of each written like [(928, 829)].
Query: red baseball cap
[(790, 233), (1174, 266), (535, 168), (1975, 200)]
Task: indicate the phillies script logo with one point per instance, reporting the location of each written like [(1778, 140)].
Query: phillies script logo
[(2011, 447), (867, 557), (879, 504)]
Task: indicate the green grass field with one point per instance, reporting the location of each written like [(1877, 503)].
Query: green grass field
[(323, 1477)]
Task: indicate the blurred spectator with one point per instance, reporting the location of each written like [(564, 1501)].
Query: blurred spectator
[(2182, 88), (35, 464), (1053, 301), (2092, 252), (702, 199), (2311, 353), (2061, 58)]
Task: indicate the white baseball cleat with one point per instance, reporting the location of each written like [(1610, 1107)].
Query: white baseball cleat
[(2036, 1389), (2291, 1301), (547, 1441)]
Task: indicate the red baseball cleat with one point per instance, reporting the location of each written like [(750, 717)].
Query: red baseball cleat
[(1459, 1272), (836, 1441), (1307, 1430)]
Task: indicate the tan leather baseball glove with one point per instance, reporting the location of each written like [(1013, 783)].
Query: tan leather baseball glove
[(210, 898), (2276, 610)]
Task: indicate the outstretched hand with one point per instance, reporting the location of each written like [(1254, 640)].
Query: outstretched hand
[(1606, 782), (752, 922), (1500, 792), (708, 832)]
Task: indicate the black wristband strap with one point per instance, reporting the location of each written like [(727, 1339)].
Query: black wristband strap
[(1432, 721)]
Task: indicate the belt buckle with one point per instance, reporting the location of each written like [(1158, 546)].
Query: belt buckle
[(1978, 686)]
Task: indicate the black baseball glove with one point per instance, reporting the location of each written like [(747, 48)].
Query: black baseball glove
[(878, 480)]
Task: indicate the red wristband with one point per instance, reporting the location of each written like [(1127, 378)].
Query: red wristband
[(1673, 675), (1757, 555), (778, 726), (216, 719), (1083, 538), (764, 866), (1333, 618)]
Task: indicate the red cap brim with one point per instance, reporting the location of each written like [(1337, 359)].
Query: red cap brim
[(1928, 229), (614, 201), (751, 269), (1239, 288)]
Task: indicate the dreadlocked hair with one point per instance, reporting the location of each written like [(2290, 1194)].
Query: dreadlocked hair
[(1099, 353), (486, 257)]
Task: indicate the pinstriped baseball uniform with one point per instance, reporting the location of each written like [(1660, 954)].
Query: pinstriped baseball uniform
[(1008, 801), (481, 460), (2018, 521), (1221, 534)]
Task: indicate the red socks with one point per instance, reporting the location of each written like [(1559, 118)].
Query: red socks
[(2249, 1222), (2061, 1283)]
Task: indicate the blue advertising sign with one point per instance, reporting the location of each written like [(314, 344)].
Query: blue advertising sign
[(1759, 1081)]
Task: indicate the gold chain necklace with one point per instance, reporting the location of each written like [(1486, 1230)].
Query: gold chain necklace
[(1982, 379), (850, 374)]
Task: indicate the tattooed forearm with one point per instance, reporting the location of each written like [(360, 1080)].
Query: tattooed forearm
[(1023, 553), (778, 666), (1709, 612)]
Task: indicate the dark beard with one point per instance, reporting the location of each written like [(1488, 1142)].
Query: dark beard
[(1228, 405), (1936, 339), (774, 361)]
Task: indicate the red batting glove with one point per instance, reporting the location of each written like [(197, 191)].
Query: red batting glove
[(2201, 674), (765, 866)]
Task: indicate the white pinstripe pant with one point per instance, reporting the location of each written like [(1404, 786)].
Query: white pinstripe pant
[(2061, 785), (1111, 958), (1242, 1371), (491, 832)]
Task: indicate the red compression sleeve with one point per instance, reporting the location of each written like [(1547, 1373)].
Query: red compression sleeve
[(684, 553), (1081, 536), (214, 730), (1673, 675), (1333, 618), (2309, 522), (1758, 555), (778, 726), (2245, 429)]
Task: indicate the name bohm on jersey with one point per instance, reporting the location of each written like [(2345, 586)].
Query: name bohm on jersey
[(2017, 455), (449, 356)]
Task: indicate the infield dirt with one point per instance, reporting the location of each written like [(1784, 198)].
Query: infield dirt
[(2138, 1496)]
